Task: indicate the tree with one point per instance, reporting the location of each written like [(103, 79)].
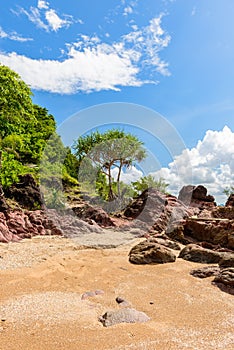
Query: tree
[(149, 181), (16, 107), (111, 149)]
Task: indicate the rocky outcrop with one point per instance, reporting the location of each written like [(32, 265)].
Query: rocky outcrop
[(227, 261), (151, 253), (125, 315), (230, 201), (215, 231), (157, 211), (196, 196), (16, 225), (26, 193), (196, 253), (92, 214), (226, 277), (205, 272)]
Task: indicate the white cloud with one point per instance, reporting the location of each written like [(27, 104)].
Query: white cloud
[(92, 65), (46, 18), (54, 21), (211, 162), (127, 10), (42, 4), (13, 36), (130, 175)]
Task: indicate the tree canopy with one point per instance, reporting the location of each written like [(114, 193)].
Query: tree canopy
[(111, 149)]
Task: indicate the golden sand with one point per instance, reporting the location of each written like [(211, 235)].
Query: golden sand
[(41, 305)]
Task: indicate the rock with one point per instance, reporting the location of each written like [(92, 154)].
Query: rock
[(155, 211), (126, 315), (227, 261), (165, 242), (226, 276), (205, 272), (26, 192), (196, 253), (122, 302), (87, 295), (213, 231), (226, 212), (230, 201), (196, 196), (89, 213), (151, 253), (3, 204)]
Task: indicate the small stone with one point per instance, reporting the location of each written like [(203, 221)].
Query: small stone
[(127, 315)]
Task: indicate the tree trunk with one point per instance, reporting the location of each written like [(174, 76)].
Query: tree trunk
[(118, 179), (110, 194)]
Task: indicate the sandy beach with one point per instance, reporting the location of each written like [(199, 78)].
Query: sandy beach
[(43, 280)]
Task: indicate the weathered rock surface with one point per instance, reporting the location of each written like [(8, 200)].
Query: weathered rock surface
[(26, 193), (89, 213), (162, 240), (226, 276), (196, 196), (156, 211), (230, 201), (205, 272), (125, 315), (214, 231), (16, 225), (151, 253), (196, 253), (227, 261)]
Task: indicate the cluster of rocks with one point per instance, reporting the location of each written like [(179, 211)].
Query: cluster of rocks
[(18, 224)]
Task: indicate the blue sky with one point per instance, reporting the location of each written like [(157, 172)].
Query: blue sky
[(174, 57)]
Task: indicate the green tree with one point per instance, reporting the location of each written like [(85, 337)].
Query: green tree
[(111, 149), (16, 107), (149, 182)]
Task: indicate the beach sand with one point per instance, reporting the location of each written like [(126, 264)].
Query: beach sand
[(41, 305)]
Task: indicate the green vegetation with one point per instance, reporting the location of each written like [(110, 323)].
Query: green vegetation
[(29, 142), (25, 130), (111, 149), (228, 191), (149, 182)]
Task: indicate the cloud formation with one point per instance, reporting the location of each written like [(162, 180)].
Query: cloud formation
[(45, 17), (212, 163), (93, 65), (131, 174), (13, 36)]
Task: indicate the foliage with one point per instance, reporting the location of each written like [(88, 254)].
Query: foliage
[(149, 181), (228, 191), (16, 107), (113, 148), (11, 168), (26, 130)]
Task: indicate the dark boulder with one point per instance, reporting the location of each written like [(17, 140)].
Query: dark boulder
[(196, 253), (151, 253), (215, 231), (226, 277), (230, 201), (227, 261), (89, 213), (196, 196), (205, 272), (26, 192)]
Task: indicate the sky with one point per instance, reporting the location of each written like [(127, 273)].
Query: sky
[(161, 68)]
